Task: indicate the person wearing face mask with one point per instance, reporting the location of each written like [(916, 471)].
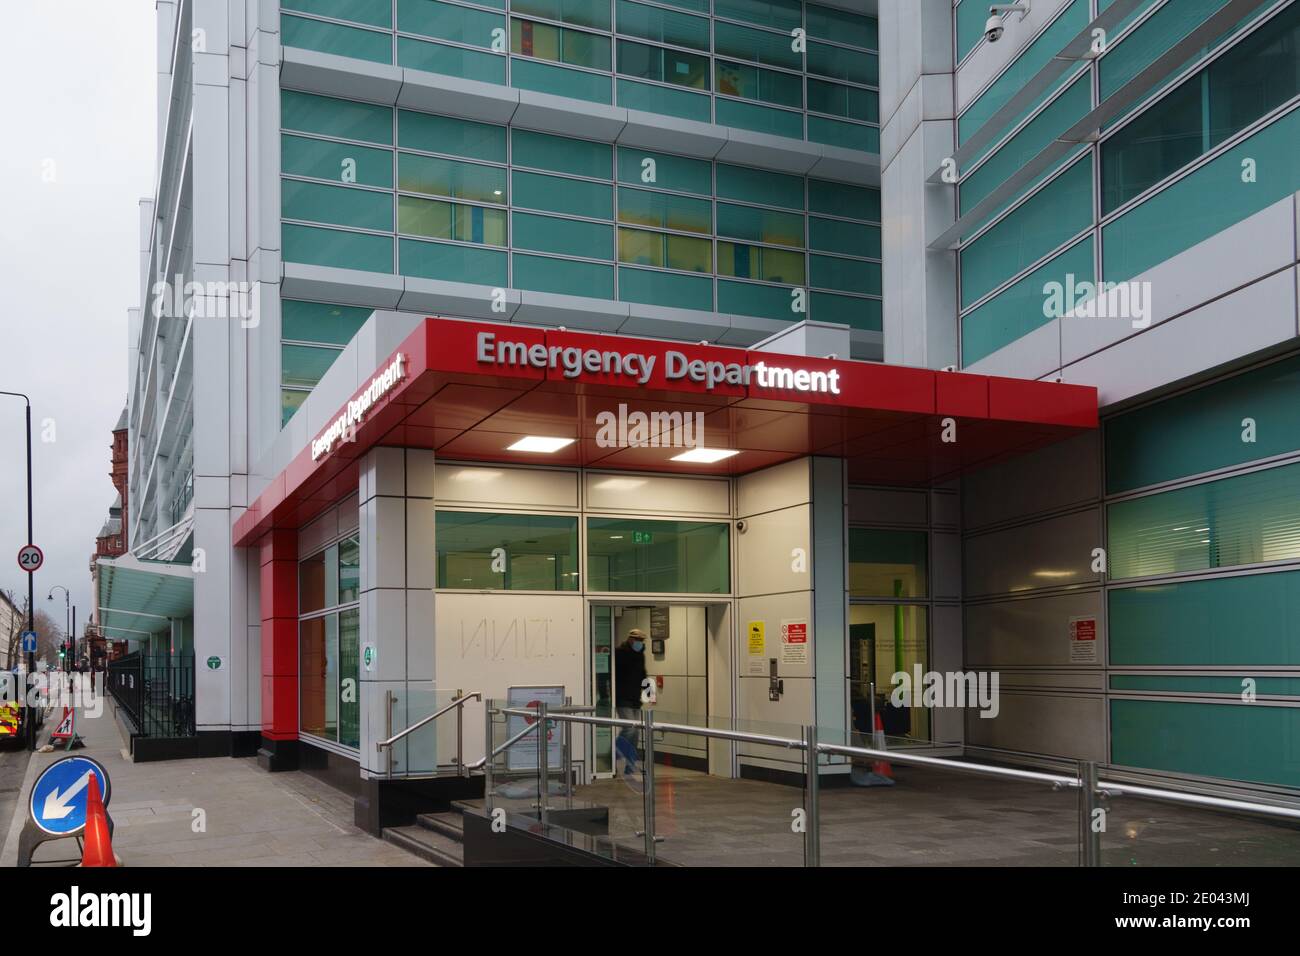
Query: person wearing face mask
[(629, 672)]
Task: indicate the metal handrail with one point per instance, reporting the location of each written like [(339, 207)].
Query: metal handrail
[(458, 705)]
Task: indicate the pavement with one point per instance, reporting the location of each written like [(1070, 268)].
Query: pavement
[(216, 811)]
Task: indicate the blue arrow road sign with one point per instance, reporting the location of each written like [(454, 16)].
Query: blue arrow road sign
[(29, 642), (58, 804)]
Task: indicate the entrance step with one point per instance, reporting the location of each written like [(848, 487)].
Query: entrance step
[(437, 848), (450, 824)]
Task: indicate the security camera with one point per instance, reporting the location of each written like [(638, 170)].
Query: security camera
[(741, 526), (993, 28)]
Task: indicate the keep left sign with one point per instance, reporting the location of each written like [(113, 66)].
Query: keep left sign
[(58, 802)]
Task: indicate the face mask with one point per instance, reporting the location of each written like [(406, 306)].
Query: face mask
[(638, 646)]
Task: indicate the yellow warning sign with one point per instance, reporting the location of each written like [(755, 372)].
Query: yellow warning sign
[(757, 638)]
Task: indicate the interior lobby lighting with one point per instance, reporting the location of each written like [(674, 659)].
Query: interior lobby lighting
[(705, 456), (541, 443)]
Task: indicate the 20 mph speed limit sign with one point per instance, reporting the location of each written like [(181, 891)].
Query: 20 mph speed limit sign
[(30, 558)]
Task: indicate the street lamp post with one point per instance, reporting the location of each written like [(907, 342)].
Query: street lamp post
[(31, 575)]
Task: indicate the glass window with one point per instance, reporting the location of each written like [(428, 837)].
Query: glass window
[(1245, 519), (665, 288), (884, 640), (349, 570), (566, 237), (760, 225), (309, 113), (749, 298), (887, 563), (290, 401), (451, 60), (841, 199), (305, 365), (507, 551), (438, 260), (566, 276), (841, 64), (665, 251), (559, 44), (841, 26), (311, 584), (641, 207), (349, 664), (375, 13), (445, 220), (665, 66), (667, 172), (759, 186), (561, 155), (318, 322), (839, 235), (543, 77), (336, 205), (760, 46), (585, 13), (847, 310), (337, 39), (839, 100), (443, 134), (760, 262), (780, 14), (450, 178), (334, 247), (755, 83), (670, 101), (449, 22), (670, 557), (845, 275), (322, 159), (553, 194), (665, 26), (317, 677)]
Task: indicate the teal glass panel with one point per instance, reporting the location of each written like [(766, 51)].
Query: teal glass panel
[(1200, 431), (349, 569), (760, 262), (333, 247), (541, 551), (971, 15), (698, 6), (760, 225), (304, 365), (438, 260), (844, 275), (561, 155), (847, 310), (321, 159), (841, 199), (838, 235), (559, 81), (665, 288), (1251, 742), (848, 135), (349, 705), (664, 557), (445, 21), (564, 276), (664, 26), (756, 83), (782, 15), (319, 322), (337, 39), (829, 23), (290, 401), (565, 237), (748, 298), (669, 172), (1019, 308), (553, 194), (641, 207), (1167, 683), (435, 176), (1157, 34), (888, 563), (436, 219), (450, 60), (1245, 519), (759, 186), (761, 119), (344, 119), (584, 13), (758, 46), (1057, 212), (1204, 202), (336, 205), (1064, 112), (1239, 621), (663, 65), (443, 134), (852, 102), (841, 64), (1052, 40), (661, 99), (375, 13)]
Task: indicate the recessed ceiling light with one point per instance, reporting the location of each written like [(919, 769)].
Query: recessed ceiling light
[(541, 443), (705, 456)]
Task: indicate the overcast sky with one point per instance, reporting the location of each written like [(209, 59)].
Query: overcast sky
[(77, 108)]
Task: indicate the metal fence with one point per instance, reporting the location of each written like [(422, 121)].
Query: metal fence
[(155, 693)]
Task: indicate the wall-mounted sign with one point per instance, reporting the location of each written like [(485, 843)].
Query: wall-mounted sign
[(523, 755), (368, 657), (1083, 640), (355, 412), (214, 663), (640, 366), (794, 642), (757, 644)]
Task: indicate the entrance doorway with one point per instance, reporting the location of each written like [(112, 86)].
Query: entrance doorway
[(676, 657)]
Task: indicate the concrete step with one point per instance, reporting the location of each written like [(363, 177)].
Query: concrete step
[(437, 848), (450, 824)]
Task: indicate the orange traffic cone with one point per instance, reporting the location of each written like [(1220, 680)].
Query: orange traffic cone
[(98, 843), (881, 766)]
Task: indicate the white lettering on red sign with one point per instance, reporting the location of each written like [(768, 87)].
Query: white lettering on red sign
[(357, 408)]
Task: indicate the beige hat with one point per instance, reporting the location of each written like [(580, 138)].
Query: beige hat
[(636, 632)]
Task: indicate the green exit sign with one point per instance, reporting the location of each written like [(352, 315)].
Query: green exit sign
[(642, 537)]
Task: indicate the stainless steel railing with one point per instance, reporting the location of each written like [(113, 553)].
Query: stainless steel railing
[(1092, 789), (458, 704)]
